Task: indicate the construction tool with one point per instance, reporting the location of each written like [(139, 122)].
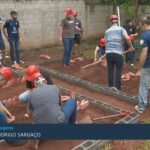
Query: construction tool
[(100, 60), (3, 108), (88, 120), (126, 113), (94, 63)]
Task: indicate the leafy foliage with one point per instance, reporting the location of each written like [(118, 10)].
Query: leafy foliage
[(117, 2)]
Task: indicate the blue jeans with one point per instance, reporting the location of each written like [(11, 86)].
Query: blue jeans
[(101, 51), (3, 120), (68, 47), (143, 89), (114, 60), (14, 50), (70, 109), (130, 56)]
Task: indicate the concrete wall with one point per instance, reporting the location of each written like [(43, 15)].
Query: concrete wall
[(40, 19)]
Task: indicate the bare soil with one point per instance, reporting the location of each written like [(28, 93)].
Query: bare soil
[(96, 74), (20, 109)]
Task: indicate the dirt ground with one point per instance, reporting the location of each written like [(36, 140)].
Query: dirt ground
[(96, 74), (20, 109), (44, 145)]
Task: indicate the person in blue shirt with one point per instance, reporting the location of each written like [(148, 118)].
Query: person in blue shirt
[(12, 35), (2, 46), (113, 38), (144, 66)]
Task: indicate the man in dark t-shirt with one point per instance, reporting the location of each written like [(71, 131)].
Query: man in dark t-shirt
[(144, 66), (12, 27), (132, 31), (67, 35), (78, 33)]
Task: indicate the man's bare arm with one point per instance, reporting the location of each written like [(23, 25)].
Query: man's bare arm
[(95, 53), (5, 33), (0, 26), (135, 35), (128, 42), (60, 33)]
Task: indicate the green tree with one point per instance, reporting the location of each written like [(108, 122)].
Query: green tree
[(130, 7)]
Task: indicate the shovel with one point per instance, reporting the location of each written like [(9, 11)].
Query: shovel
[(100, 60), (111, 116), (94, 63)]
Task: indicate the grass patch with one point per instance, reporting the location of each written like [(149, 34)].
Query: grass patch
[(88, 49), (145, 145), (106, 147), (146, 122), (89, 53)]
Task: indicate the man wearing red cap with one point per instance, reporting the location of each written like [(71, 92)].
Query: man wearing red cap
[(67, 35), (113, 38), (100, 49), (45, 103), (78, 33), (32, 69), (132, 32)]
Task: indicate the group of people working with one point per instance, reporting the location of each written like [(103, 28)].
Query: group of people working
[(111, 45)]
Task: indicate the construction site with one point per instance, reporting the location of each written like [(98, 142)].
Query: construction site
[(97, 103)]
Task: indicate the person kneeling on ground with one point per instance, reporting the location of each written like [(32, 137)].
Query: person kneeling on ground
[(100, 49), (29, 84), (45, 104)]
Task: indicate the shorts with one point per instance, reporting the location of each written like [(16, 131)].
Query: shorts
[(2, 44), (77, 39)]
